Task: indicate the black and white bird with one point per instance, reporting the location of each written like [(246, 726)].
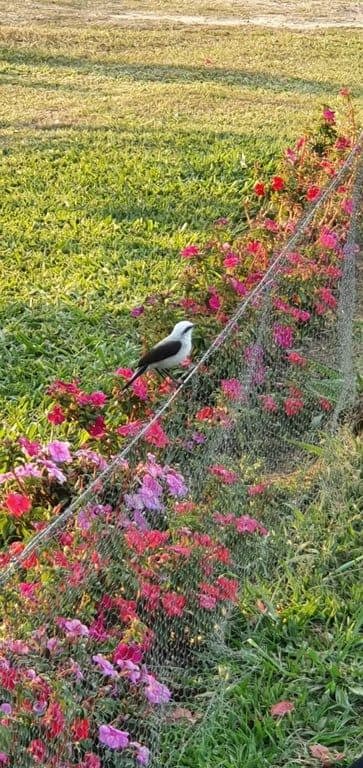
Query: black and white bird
[(168, 353)]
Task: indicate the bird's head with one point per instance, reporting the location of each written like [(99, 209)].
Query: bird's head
[(182, 329)]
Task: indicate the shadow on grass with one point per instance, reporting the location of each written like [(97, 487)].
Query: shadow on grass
[(171, 73)]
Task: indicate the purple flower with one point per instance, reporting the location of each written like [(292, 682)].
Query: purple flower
[(53, 472), (176, 484), (137, 311), (142, 753), (74, 628), (198, 438), (113, 738), (150, 493), (283, 335), (155, 692), (131, 670), (59, 452), (6, 708), (105, 666), (92, 457)]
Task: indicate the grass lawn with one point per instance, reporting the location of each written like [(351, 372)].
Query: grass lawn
[(304, 648), (121, 145)]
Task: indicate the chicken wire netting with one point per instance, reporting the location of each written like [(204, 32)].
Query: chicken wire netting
[(110, 615)]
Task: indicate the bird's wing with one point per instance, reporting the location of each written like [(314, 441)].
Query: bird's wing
[(160, 352)]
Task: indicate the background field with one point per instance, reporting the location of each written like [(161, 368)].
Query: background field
[(120, 145)]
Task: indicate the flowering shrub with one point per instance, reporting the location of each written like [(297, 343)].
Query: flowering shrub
[(143, 571)]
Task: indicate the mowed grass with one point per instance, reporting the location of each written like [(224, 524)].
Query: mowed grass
[(119, 147), (305, 648)]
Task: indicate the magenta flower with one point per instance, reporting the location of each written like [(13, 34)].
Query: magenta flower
[(143, 754), (105, 666), (231, 261), (207, 602), (129, 652), (113, 738), (290, 156), (271, 225), (232, 388), (4, 759), (155, 692), (189, 251), (329, 116), (246, 524), (328, 239), (283, 335), (29, 447), (59, 452), (137, 311), (97, 399), (214, 302), (347, 206)]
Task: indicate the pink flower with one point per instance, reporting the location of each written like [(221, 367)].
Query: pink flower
[(6, 708), (137, 311), (282, 708), (59, 452), (208, 602), (113, 738), (271, 225), (277, 183), (173, 603), (256, 490), (139, 388), (247, 524), (328, 239), (4, 759), (56, 415), (329, 116), (290, 156), (347, 206), (98, 399), (312, 193), (155, 435), (214, 302), (130, 429), (238, 286), (283, 335), (232, 388), (269, 403), (90, 761), (296, 359), (97, 430), (155, 692), (190, 251), (29, 447), (231, 261), (226, 476), (259, 189), (228, 588), (17, 504), (293, 406)]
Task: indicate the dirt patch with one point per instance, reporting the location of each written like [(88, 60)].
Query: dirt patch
[(302, 15)]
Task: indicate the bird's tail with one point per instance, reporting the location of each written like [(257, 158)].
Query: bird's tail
[(136, 375)]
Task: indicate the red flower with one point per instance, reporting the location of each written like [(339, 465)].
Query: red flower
[(80, 728), (128, 652), (228, 588), (277, 183), (214, 302), (97, 399), (130, 429), (189, 251), (38, 750), (296, 359), (269, 403), (54, 719), (225, 475), (140, 541), (151, 594), (91, 761), (255, 490), (17, 504), (155, 435), (98, 428), (173, 603), (325, 404), (312, 193), (259, 189), (293, 406), (56, 415)]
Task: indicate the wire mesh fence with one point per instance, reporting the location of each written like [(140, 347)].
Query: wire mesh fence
[(109, 613)]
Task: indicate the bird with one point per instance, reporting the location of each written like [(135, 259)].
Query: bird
[(167, 353)]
